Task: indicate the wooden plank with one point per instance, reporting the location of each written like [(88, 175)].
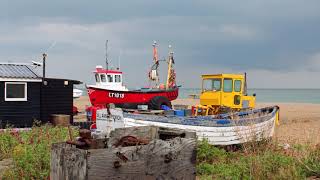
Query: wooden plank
[(60, 120), (174, 159), (147, 133), (68, 162), (144, 111), (174, 132)]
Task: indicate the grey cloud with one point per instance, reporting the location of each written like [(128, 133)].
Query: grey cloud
[(207, 36)]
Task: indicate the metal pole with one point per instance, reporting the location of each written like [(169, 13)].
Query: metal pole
[(245, 91), (44, 56)]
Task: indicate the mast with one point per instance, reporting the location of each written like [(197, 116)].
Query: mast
[(153, 74), (170, 77), (107, 62)]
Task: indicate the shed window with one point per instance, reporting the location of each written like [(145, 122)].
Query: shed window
[(15, 91), (227, 85), (110, 78), (117, 78), (237, 85), (103, 77)]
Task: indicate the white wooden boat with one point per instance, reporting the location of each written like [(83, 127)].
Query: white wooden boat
[(225, 129), (77, 93)]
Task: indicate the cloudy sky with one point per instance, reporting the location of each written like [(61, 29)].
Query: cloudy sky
[(276, 42)]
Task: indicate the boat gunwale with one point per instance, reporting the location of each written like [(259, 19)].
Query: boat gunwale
[(195, 121), (136, 91)]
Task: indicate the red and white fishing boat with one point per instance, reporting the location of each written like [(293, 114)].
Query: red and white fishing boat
[(110, 89)]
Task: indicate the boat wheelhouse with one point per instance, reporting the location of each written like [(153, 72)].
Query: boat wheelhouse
[(108, 79)]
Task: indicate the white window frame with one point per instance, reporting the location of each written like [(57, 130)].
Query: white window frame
[(116, 78), (105, 78), (112, 78), (16, 99)]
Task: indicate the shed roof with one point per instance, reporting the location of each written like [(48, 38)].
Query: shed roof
[(11, 70)]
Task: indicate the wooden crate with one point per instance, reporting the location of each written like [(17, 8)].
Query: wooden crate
[(170, 154), (60, 120)]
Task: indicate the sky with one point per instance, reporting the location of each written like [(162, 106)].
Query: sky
[(276, 42)]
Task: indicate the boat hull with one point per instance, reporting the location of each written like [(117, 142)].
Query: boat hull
[(221, 135), (77, 93), (101, 97)]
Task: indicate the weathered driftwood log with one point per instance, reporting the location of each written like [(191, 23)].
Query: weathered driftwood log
[(148, 133), (174, 159), (68, 162), (160, 159)]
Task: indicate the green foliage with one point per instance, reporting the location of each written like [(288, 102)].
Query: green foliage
[(30, 150), (208, 153), (257, 161), (7, 143), (311, 163)]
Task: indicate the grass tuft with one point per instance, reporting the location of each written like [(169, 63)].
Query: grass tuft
[(30, 150), (260, 160)]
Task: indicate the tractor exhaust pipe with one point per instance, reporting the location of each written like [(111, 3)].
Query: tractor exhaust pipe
[(245, 92)]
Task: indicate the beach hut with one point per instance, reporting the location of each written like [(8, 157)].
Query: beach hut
[(26, 97)]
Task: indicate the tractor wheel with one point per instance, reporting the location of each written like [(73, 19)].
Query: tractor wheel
[(156, 102)]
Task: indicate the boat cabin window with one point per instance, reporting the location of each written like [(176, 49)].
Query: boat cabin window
[(211, 84), (97, 78), (227, 85), (117, 78), (237, 85), (110, 78), (103, 77)]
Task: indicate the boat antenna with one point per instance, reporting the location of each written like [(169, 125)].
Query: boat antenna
[(119, 59), (107, 62), (53, 44)]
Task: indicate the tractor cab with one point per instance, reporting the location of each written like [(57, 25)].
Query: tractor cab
[(225, 90)]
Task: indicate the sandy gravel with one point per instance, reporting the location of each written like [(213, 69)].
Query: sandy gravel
[(299, 122), (4, 165)]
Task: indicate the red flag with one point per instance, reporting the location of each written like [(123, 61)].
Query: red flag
[(155, 53)]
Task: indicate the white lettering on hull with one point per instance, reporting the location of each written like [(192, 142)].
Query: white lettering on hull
[(116, 95)]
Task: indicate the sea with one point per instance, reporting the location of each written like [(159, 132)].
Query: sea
[(272, 95), (267, 95)]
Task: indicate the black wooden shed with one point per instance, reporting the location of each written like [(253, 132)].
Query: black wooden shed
[(25, 96)]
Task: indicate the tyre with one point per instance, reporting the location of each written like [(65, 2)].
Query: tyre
[(156, 102)]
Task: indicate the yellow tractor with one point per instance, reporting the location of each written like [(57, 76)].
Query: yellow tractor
[(223, 93)]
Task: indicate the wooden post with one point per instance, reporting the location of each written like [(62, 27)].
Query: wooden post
[(68, 162)]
